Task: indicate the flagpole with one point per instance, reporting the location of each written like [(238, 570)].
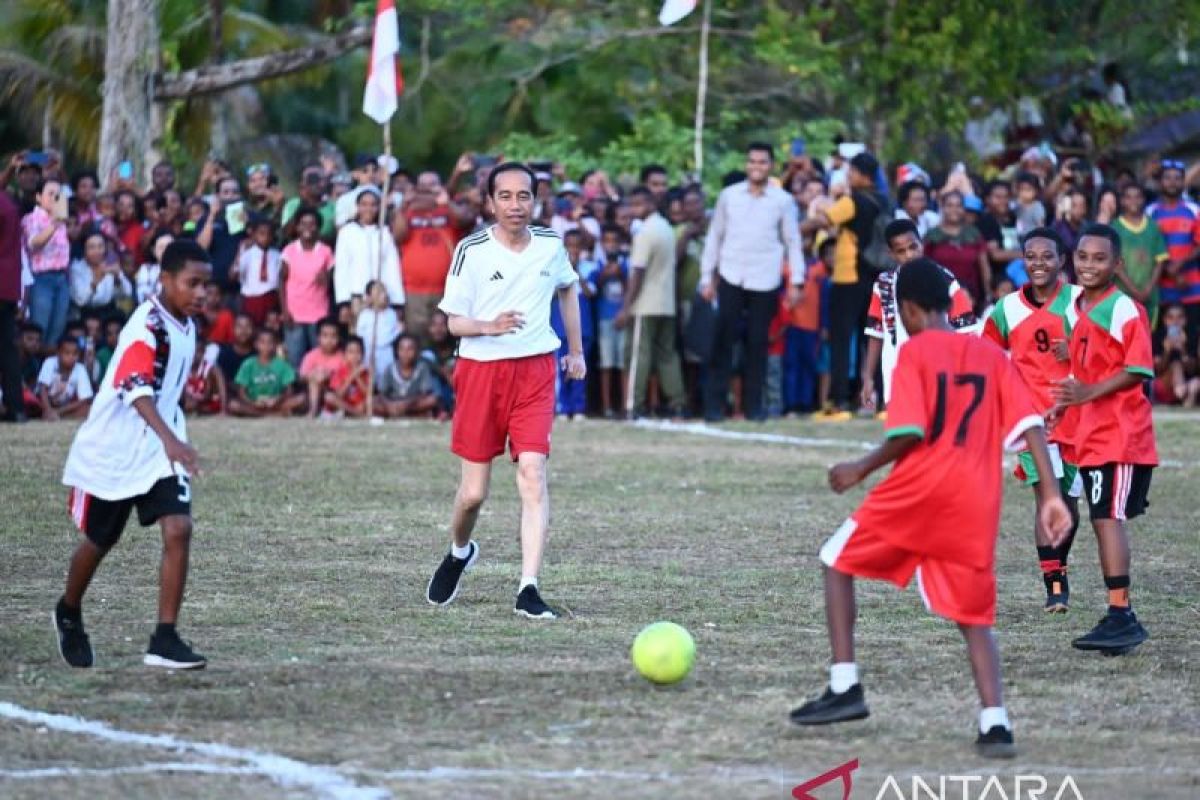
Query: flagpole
[(702, 91), (384, 199)]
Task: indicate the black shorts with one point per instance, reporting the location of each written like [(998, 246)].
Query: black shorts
[(103, 521), (1117, 491)]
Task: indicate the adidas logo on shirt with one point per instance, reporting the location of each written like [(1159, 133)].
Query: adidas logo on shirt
[(496, 276)]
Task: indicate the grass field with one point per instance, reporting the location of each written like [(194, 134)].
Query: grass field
[(313, 546)]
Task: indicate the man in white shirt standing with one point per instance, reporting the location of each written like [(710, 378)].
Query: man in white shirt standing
[(754, 228), (498, 294)]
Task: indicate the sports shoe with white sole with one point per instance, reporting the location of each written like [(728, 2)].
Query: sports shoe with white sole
[(531, 606), (168, 651), (447, 578)]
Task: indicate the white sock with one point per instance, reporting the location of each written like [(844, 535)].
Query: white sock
[(461, 552), (991, 717), (843, 676), (526, 581)]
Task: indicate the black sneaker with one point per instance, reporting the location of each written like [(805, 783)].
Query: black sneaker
[(530, 604), (1058, 594), (1116, 634), (73, 644), (443, 586), (169, 651), (996, 743), (829, 707)]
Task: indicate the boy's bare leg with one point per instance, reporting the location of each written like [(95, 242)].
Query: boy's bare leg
[(985, 664), (84, 562), (840, 613), (1113, 543), (177, 537)]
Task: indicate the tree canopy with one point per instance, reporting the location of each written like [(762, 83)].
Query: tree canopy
[(586, 79)]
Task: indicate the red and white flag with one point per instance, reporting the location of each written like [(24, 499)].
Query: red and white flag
[(675, 10), (385, 82)]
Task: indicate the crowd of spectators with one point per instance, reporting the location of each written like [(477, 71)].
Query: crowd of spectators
[(748, 304)]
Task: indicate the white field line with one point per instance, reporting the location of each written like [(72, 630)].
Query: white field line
[(699, 429), (324, 781), (203, 767)]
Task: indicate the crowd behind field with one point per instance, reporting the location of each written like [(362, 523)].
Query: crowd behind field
[(324, 302)]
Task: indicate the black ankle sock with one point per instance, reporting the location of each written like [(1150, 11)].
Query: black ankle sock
[(1052, 566), (67, 611), (164, 628)]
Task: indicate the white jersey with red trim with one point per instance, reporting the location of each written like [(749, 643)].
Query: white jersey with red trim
[(115, 455)]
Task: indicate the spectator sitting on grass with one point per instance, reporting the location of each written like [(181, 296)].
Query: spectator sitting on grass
[(350, 386), (29, 351), (64, 388), (1176, 378), (264, 382), (441, 356), (408, 386), (322, 363), (216, 323), (233, 355), (104, 353), (205, 391), (379, 323)]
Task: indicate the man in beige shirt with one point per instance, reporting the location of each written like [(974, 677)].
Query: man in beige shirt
[(650, 303)]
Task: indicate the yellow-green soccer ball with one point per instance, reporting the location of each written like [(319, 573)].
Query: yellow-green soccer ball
[(663, 653)]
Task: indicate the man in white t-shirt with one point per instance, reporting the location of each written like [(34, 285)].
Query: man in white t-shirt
[(498, 294)]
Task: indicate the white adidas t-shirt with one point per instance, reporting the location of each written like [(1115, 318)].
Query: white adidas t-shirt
[(115, 455), (486, 279)]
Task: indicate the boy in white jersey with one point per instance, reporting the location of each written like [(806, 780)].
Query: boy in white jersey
[(885, 330), (132, 452), (498, 294)]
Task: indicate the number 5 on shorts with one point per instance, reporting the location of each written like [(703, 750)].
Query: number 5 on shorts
[(1097, 486), (185, 489)]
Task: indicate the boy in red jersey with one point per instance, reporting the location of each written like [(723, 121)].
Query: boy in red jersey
[(957, 403), (1033, 325), (1111, 356)]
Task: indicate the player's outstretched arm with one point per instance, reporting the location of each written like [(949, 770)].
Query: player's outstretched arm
[(178, 452), (1053, 513), (851, 473)]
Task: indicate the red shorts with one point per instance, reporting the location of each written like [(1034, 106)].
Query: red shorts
[(966, 595), (507, 401), (257, 308)]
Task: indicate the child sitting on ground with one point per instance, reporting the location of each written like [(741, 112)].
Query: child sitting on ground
[(350, 386), (63, 387), (441, 356), (320, 364), (408, 386), (264, 382), (379, 323), (205, 392)]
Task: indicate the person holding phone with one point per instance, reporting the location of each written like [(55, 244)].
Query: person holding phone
[(44, 235)]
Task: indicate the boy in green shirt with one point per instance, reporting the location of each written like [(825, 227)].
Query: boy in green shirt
[(1144, 249), (265, 383)]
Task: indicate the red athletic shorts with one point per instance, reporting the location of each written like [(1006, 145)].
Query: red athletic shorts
[(955, 591), (507, 401)]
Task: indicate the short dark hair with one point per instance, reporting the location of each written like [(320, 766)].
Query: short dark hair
[(574, 233), (925, 283), (180, 252), (907, 188), (651, 169), (1104, 232), (29, 326), (330, 322), (1045, 232), (307, 211), (510, 166), (407, 336), (898, 227), (759, 146), (78, 177), (994, 184), (67, 339), (640, 191), (262, 330), (866, 164), (358, 340), (614, 229), (1028, 178)]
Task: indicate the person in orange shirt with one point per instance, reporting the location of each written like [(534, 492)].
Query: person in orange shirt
[(427, 229), (802, 337)]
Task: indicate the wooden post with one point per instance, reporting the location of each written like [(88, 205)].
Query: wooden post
[(384, 230)]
